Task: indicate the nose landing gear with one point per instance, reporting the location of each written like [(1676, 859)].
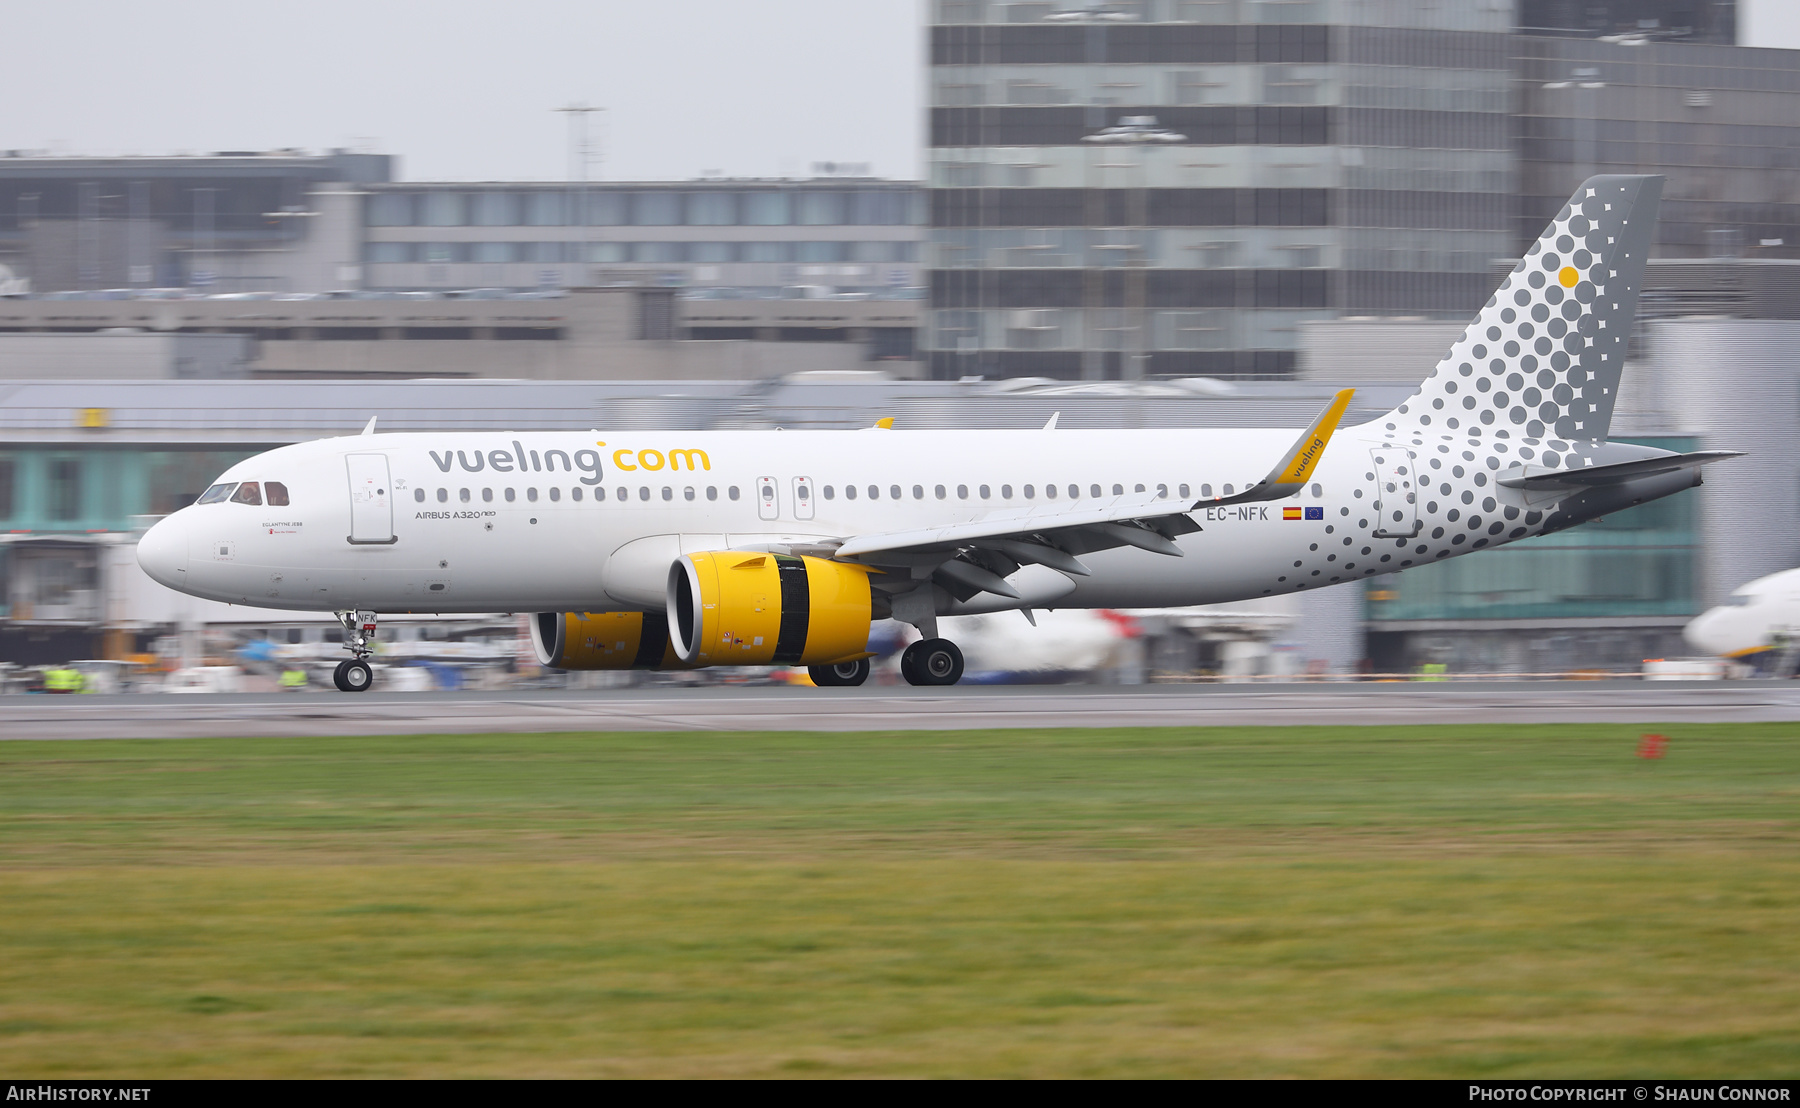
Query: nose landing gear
[(356, 675), (353, 676)]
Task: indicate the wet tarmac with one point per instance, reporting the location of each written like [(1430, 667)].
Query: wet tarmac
[(889, 708)]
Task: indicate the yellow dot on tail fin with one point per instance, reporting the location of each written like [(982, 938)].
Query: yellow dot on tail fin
[(886, 423), (1569, 276)]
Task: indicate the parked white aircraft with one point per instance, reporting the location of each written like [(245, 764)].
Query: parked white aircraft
[(1761, 616), (680, 549)]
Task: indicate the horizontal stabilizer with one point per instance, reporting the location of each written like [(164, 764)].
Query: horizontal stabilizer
[(1539, 479), (1292, 473)]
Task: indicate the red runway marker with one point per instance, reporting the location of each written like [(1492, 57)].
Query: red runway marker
[(1651, 746)]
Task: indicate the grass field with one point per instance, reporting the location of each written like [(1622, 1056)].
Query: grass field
[(1433, 901)]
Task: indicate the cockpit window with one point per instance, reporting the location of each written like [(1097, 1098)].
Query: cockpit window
[(216, 493), (277, 493), (248, 493), (1741, 600)]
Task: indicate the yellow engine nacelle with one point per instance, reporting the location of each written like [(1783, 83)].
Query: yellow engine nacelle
[(603, 640), (747, 609)]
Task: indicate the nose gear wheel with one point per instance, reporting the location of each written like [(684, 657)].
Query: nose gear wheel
[(353, 676)]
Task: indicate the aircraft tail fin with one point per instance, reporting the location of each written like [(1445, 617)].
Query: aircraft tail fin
[(1543, 359)]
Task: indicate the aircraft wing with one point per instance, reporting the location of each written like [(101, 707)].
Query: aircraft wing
[(979, 554)]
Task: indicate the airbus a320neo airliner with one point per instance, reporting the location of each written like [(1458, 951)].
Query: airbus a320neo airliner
[(665, 549)]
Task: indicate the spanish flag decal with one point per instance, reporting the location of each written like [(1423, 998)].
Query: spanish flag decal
[(1292, 513)]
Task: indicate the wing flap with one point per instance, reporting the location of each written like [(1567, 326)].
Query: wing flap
[(1007, 524)]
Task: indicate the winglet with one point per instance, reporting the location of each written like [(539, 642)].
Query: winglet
[(1051, 425), (369, 427), (1301, 459), (885, 423)]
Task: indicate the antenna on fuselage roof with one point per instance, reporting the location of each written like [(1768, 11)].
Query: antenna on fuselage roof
[(369, 427)]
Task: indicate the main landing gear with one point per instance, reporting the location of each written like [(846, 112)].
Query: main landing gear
[(932, 662), (356, 675)]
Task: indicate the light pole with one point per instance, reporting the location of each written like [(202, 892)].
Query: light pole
[(1140, 131), (201, 276), (580, 155)]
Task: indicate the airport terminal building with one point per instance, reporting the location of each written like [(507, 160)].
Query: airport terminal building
[(1151, 213)]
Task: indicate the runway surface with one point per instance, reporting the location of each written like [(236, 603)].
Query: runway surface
[(886, 708)]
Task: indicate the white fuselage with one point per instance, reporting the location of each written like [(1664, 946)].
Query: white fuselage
[(591, 521), (1761, 615)]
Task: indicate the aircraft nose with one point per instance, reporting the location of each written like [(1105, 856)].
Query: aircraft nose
[(163, 553), (1705, 633)]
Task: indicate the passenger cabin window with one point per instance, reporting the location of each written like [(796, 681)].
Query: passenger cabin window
[(1118, 490), (894, 492), (443, 496), (463, 495), (487, 496), (1049, 491), (277, 493), (1093, 490), (732, 492), (511, 496), (830, 493), (1074, 492), (1162, 491), (712, 492), (984, 491), (918, 492), (248, 493), (530, 494), (555, 493), (1184, 492), (1006, 492), (216, 493), (874, 492), (1030, 492), (419, 495)]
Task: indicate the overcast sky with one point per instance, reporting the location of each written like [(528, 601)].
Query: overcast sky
[(465, 90)]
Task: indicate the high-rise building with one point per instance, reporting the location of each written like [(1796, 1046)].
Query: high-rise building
[(1718, 121), (1709, 21), (1172, 187)]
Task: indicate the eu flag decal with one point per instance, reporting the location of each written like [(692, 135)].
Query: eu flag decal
[(1315, 513), (1290, 513)]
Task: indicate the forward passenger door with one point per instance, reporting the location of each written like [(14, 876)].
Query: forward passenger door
[(371, 500)]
